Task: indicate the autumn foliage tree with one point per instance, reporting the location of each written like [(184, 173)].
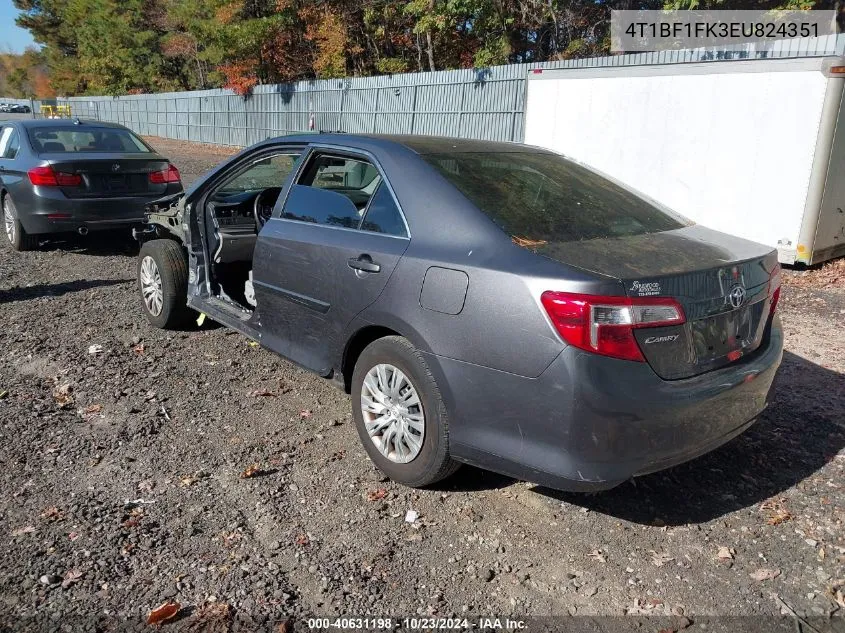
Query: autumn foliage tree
[(24, 76), (121, 46)]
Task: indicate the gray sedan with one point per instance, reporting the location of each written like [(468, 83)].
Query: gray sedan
[(486, 303), (72, 175)]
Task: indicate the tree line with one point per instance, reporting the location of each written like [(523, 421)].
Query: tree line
[(140, 46)]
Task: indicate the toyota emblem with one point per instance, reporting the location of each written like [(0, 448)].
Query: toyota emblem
[(736, 296), (115, 167)]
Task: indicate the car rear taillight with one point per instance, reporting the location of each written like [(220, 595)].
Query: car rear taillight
[(775, 298), (46, 177), (774, 289), (171, 174), (605, 325)]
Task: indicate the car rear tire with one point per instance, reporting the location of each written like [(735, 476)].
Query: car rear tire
[(163, 283), (399, 413), (16, 234)]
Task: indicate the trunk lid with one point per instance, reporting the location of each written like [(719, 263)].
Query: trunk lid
[(722, 283), (110, 175)]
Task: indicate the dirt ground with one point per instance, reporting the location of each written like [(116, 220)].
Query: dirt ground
[(123, 484)]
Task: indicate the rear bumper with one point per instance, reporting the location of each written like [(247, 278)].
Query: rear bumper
[(50, 211), (590, 423)]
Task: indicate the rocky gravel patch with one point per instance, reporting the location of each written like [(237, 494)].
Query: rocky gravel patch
[(143, 467)]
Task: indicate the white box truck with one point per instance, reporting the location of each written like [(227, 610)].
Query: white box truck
[(753, 148)]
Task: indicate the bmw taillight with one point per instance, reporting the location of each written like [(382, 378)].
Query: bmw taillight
[(605, 324), (46, 177), (171, 174)]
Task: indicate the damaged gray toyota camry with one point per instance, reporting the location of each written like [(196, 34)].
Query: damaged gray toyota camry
[(484, 303)]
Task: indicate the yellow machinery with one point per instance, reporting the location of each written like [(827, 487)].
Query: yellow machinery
[(55, 111)]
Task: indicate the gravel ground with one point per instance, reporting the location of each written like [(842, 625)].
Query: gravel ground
[(125, 484)]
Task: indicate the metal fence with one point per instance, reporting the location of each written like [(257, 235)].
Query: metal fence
[(484, 103)]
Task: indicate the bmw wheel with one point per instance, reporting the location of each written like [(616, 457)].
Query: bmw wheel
[(15, 233), (399, 413)]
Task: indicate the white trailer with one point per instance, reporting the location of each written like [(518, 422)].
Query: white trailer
[(752, 148)]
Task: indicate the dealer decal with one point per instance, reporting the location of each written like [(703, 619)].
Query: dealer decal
[(646, 288)]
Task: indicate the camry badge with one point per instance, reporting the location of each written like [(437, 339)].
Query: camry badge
[(736, 296)]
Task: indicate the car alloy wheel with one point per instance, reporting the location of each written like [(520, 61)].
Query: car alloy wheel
[(393, 414), (151, 286), (9, 221)]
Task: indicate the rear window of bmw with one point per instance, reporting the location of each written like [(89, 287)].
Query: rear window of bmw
[(49, 140), (539, 198)]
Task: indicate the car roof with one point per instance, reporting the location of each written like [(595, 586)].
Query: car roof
[(416, 143), (31, 124)]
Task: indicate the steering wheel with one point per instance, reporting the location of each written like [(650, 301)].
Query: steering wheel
[(263, 205)]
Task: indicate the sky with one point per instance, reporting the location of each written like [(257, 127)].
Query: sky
[(12, 38)]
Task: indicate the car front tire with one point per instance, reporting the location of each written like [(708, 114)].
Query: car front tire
[(163, 283), (16, 234), (399, 413)]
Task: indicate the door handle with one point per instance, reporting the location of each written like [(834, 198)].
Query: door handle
[(364, 263)]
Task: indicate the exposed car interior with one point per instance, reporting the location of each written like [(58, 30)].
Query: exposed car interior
[(240, 207)]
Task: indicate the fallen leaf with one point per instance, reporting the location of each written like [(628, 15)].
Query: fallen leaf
[(597, 554), (253, 343), (776, 511), (62, 396), (302, 540), (29, 529), (527, 243), (659, 559), (375, 495), (74, 535), (261, 392), (779, 517), (765, 574), (139, 349), (164, 612), (190, 480), (72, 576), (201, 319), (210, 612), (726, 553), (285, 627), (305, 413), (252, 471), (92, 408), (51, 514)]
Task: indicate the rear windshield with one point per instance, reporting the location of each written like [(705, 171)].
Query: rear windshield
[(539, 198), (50, 140)]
